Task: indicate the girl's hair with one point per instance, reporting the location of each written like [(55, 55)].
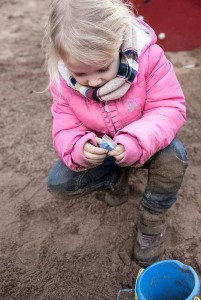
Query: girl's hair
[(89, 30)]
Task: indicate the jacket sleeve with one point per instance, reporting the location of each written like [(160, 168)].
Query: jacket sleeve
[(68, 133), (164, 112)]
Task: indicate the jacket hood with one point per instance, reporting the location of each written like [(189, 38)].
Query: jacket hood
[(145, 36)]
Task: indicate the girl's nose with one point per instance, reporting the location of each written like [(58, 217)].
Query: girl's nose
[(94, 82)]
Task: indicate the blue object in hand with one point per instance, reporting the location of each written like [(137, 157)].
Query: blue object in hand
[(108, 143)]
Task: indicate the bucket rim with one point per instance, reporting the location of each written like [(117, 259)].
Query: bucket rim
[(180, 265)]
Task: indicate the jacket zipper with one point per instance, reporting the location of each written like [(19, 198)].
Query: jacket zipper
[(106, 106)]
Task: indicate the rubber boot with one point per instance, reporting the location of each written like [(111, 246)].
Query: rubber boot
[(119, 192), (149, 245)]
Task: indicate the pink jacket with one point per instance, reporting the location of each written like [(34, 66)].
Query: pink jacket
[(145, 120)]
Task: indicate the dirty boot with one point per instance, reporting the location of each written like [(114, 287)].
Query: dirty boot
[(119, 192), (149, 245)]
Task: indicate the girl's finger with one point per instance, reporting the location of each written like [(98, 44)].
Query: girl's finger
[(120, 157), (98, 140), (119, 149), (94, 156), (115, 152), (94, 149)]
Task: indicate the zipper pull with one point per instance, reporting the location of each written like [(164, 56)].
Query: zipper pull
[(107, 107)]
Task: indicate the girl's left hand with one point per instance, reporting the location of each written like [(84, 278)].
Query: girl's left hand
[(118, 153)]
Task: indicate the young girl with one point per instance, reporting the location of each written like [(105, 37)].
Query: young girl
[(108, 76)]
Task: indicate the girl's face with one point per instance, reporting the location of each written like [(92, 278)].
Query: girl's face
[(93, 76)]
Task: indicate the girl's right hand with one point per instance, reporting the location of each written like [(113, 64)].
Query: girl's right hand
[(94, 154)]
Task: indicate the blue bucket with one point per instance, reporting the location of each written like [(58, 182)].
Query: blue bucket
[(168, 280)]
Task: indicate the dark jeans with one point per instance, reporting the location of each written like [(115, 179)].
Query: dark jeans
[(166, 169)]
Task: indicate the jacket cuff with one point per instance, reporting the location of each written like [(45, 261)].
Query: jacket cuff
[(133, 151), (77, 154)]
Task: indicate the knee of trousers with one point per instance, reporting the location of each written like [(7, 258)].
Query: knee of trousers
[(64, 190), (168, 167), (172, 158), (61, 178)]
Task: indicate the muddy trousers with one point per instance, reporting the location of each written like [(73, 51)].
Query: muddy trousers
[(166, 170)]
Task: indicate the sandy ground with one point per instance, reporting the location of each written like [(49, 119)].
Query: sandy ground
[(80, 249)]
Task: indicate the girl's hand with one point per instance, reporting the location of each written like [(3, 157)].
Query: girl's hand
[(95, 154), (118, 153)]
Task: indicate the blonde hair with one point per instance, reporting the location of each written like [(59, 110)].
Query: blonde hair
[(89, 30)]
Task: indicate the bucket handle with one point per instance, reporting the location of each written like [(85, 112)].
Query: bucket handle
[(138, 275)]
